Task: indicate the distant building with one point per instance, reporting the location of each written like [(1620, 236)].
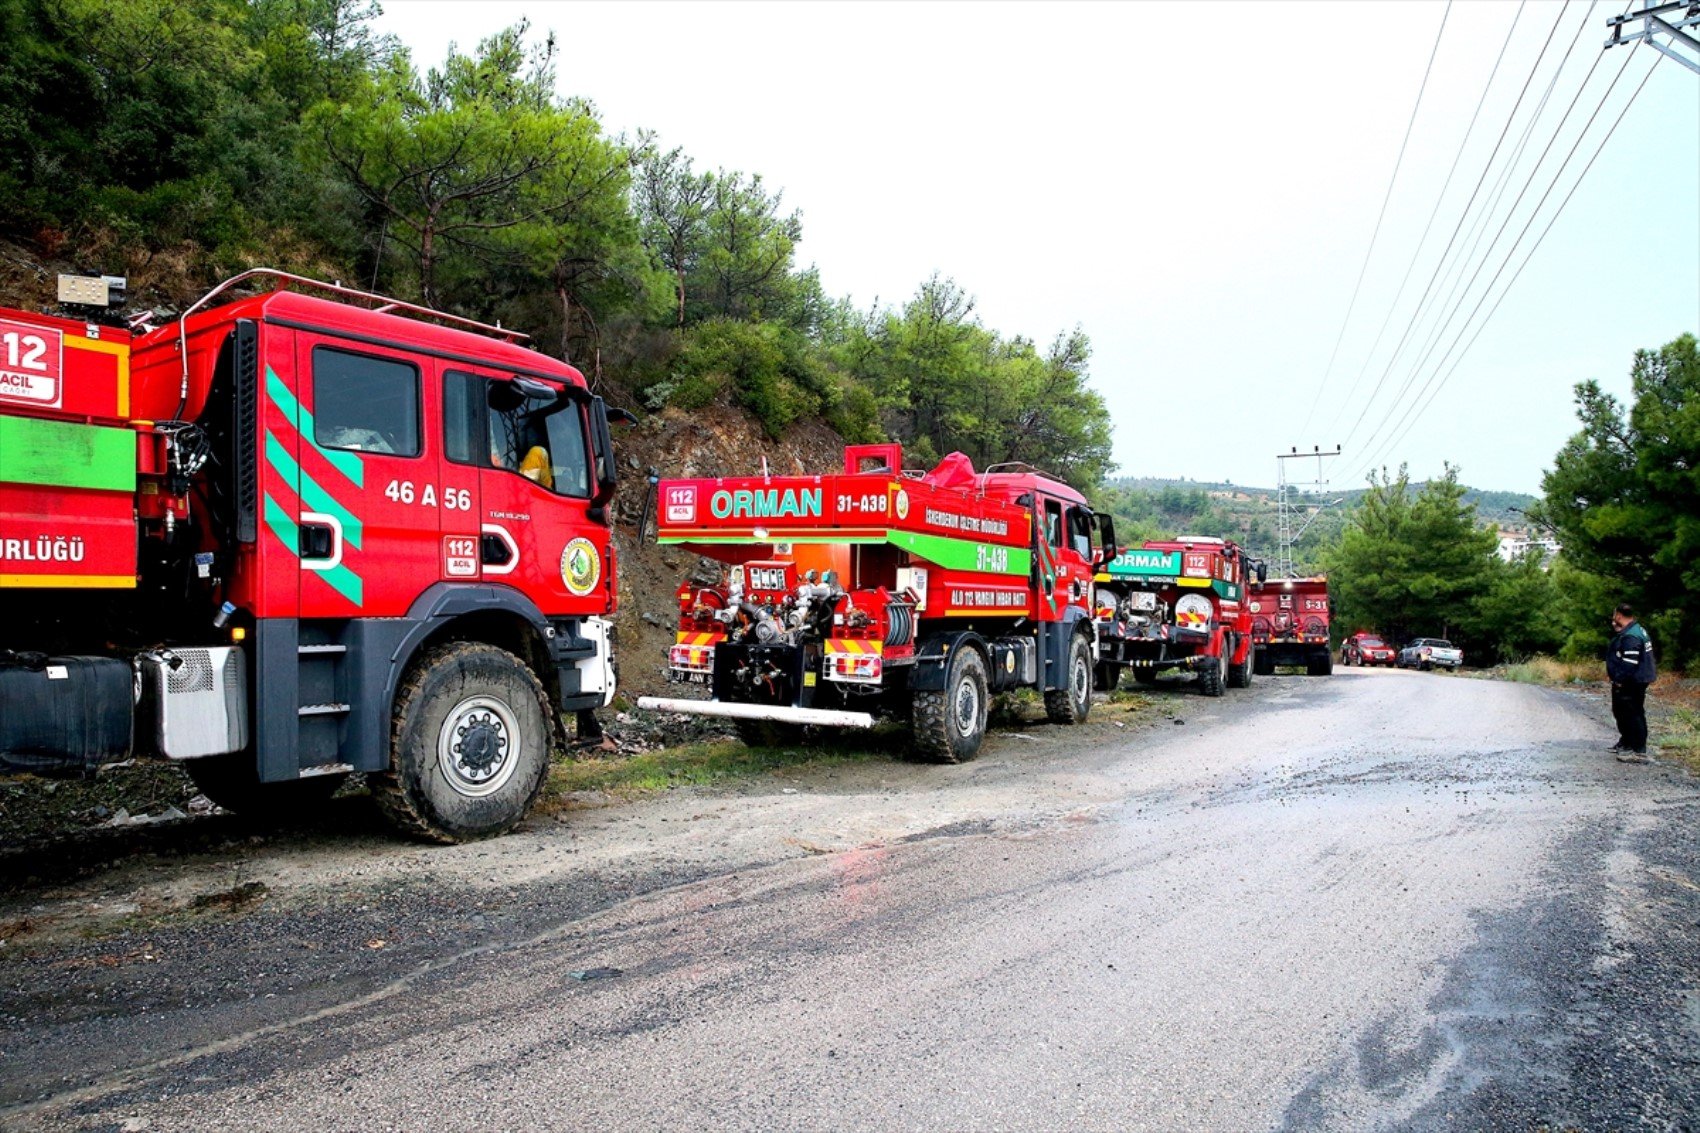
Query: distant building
[(1514, 544)]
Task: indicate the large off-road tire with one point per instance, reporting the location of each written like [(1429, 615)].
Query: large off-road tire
[(1071, 703), (469, 744), (1106, 676), (1320, 665), (1213, 677), (949, 724), (232, 781), (768, 733), (1239, 672)]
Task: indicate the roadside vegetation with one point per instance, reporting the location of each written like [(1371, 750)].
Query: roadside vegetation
[(182, 141)]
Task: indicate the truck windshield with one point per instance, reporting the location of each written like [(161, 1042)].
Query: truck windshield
[(541, 439), (492, 423)]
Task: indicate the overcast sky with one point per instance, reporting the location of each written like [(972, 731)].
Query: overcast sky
[(1196, 186)]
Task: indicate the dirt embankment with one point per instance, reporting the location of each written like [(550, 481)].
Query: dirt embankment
[(717, 441)]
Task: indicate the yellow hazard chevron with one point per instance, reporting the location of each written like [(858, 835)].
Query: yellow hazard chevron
[(698, 639), (853, 645)]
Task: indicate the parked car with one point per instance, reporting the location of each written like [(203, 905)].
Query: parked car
[(1427, 652), (1367, 649)]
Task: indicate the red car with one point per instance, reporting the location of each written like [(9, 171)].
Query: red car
[(1367, 649)]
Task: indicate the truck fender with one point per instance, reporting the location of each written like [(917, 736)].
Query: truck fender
[(932, 658)]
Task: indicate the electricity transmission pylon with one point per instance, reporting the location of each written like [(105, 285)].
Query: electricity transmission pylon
[(1667, 19), (1287, 509)]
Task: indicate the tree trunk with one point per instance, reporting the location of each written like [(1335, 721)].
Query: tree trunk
[(428, 264), (566, 323)]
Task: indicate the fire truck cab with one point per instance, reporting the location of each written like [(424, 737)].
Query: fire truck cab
[(321, 534)]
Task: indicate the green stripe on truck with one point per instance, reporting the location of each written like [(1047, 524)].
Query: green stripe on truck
[(64, 454)]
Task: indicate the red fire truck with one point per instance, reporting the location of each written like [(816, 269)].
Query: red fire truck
[(881, 591), (1176, 604), (1289, 624), (300, 534)]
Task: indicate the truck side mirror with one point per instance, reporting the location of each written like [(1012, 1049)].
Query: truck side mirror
[(1262, 571), (1107, 541), (602, 456)]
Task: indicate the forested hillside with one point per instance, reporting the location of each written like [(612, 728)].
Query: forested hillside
[(1148, 507), (180, 141)]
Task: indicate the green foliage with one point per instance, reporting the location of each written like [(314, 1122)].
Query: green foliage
[(762, 368), (1624, 497), (477, 165), (1421, 566), (288, 132), (943, 382)]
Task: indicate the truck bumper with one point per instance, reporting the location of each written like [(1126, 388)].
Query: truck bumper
[(779, 713)]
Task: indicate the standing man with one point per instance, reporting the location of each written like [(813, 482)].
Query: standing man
[(1629, 666)]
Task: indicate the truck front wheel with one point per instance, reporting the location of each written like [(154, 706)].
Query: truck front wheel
[(1213, 677), (1239, 672), (950, 724), (1071, 703), (469, 744)]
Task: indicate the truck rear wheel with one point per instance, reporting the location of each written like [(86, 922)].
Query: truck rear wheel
[(1106, 676), (1320, 665), (949, 725), (233, 782), (1213, 677), (1071, 703), (469, 744), (1262, 663)]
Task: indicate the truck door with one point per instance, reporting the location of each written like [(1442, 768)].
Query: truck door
[(466, 452), (536, 497), (1074, 558), (367, 479)]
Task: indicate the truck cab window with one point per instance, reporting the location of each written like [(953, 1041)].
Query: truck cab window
[(364, 403), (541, 439), (463, 417), (1053, 523)]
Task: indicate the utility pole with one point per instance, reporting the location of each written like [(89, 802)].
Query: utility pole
[(1668, 19), (1286, 507)]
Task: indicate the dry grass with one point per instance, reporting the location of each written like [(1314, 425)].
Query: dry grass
[(1675, 716), (1552, 671)]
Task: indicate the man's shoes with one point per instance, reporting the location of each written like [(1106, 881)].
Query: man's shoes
[(1618, 746), (1628, 755)]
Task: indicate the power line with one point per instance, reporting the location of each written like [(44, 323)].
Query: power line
[(1514, 277), (1478, 228), (1452, 279), (1357, 383), (1534, 171), (1381, 381), (1374, 235), (1512, 249)]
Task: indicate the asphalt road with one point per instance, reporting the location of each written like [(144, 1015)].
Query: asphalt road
[(1377, 900)]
